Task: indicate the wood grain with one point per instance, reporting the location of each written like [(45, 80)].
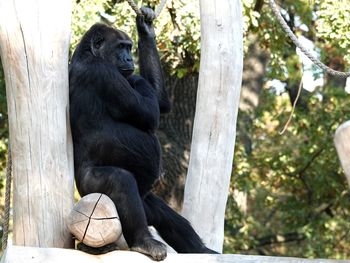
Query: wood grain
[(214, 130), (94, 220), (34, 41)]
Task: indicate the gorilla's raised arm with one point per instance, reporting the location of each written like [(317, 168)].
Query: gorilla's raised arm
[(150, 67)]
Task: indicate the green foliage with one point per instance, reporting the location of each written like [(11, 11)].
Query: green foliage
[(273, 37), (297, 196), (333, 25), (293, 181), (180, 37)]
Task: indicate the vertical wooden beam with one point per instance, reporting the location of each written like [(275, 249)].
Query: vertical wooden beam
[(34, 41), (214, 128), (342, 144)]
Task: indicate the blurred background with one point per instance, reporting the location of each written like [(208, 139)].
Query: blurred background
[(288, 193)]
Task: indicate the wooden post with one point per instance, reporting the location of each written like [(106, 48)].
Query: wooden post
[(214, 128), (34, 41), (342, 144)]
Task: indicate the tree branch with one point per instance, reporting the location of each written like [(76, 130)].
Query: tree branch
[(278, 239), (302, 170)]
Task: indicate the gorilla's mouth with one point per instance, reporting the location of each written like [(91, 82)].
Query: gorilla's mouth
[(127, 72)]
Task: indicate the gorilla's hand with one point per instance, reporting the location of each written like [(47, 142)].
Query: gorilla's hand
[(145, 23)]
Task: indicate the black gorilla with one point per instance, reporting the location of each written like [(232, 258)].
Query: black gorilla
[(113, 117)]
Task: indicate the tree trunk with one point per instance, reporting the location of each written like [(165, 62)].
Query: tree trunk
[(175, 134), (214, 128), (34, 41)]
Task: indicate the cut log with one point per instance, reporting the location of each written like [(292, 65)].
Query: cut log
[(94, 221), (342, 144)]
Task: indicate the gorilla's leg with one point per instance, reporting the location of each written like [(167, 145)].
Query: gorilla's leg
[(172, 227), (120, 185)]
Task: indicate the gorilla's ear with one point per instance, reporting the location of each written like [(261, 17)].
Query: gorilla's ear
[(96, 42)]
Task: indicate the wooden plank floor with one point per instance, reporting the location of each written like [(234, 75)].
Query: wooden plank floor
[(17, 254)]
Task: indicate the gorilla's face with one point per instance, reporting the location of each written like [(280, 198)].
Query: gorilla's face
[(113, 46)]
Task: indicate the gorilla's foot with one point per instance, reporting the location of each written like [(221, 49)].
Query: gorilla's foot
[(150, 247)]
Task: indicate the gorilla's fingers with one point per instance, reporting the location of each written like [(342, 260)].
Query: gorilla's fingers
[(148, 13)]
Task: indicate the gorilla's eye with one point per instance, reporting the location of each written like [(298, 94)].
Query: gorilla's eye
[(121, 45)]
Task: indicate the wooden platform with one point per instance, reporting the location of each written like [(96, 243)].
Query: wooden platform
[(16, 254)]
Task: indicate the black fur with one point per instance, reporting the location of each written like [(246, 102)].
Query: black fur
[(114, 115)]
